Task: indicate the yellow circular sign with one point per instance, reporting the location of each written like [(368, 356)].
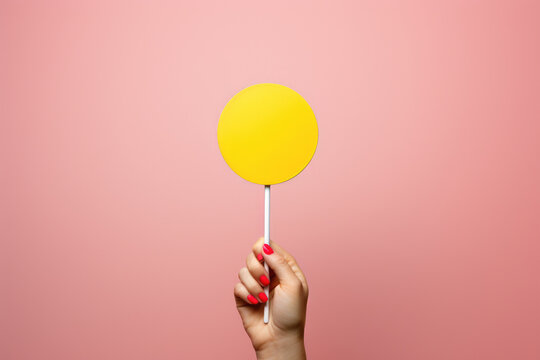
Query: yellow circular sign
[(267, 133)]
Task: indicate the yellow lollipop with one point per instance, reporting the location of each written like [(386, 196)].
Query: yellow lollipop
[(267, 134)]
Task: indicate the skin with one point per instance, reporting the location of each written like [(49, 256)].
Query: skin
[(283, 336)]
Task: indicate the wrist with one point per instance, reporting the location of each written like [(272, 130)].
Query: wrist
[(287, 348)]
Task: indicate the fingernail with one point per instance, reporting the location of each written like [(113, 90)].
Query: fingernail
[(264, 280), (259, 257), (263, 297), (252, 299), (267, 249)]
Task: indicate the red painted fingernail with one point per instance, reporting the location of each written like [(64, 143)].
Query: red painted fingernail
[(267, 249), (264, 280), (252, 299), (259, 257), (263, 297)]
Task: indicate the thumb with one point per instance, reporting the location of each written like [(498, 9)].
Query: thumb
[(281, 267)]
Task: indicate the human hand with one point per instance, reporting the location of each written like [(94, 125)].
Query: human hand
[(283, 336)]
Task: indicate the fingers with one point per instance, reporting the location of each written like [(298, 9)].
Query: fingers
[(286, 276), (281, 254), (252, 286), (242, 293), (257, 270)]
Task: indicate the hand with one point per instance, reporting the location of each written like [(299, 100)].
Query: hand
[(283, 336)]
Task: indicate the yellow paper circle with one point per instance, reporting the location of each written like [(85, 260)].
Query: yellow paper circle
[(267, 133)]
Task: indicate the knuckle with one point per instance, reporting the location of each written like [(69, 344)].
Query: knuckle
[(258, 245), (305, 287), (255, 267), (250, 261), (237, 288), (280, 260), (290, 258), (242, 272)]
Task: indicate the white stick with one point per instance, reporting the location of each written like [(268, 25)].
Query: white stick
[(267, 241)]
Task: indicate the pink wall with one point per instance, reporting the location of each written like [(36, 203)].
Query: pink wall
[(417, 222)]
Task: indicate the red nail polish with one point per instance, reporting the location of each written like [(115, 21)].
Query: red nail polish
[(252, 299), (259, 256), (267, 249), (263, 297), (264, 280)]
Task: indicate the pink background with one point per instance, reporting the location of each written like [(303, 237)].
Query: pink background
[(417, 222)]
